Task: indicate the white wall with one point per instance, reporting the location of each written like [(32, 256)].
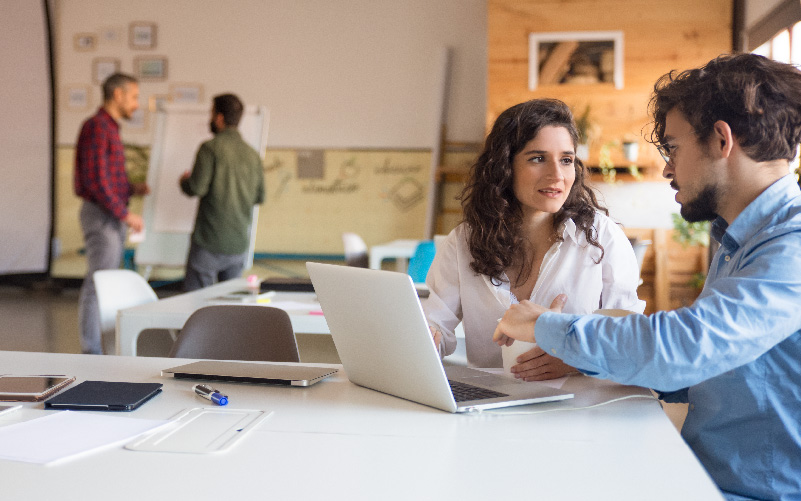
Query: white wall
[(645, 204), (334, 73), (26, 160)]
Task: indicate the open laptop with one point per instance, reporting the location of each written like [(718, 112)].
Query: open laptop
[(384, 343)]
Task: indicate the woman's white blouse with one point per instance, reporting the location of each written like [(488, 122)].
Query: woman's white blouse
[(459, 294)]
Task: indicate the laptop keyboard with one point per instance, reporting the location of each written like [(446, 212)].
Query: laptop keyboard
[(463, 392)]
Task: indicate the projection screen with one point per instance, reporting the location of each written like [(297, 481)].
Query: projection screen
[(26, 143)]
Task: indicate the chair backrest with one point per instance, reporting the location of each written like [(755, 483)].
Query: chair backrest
[(117, 290), (238, 332), (421, 260), (355, 250)]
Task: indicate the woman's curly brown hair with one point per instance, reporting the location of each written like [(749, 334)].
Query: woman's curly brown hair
[(491, 210)]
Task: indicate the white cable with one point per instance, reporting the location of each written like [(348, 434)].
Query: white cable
[(523, 413)]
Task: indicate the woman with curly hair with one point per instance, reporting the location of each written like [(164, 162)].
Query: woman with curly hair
[(532, 229)]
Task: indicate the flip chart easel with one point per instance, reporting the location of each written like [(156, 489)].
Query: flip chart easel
[(169, 214)]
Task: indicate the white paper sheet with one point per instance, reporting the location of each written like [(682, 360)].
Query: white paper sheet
[(553, 383), (66, 434)]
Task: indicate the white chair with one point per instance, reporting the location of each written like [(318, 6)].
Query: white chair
[(117, 290)]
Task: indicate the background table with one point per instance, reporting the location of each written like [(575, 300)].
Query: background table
[(338, 441), (401, 250), (172, 312)]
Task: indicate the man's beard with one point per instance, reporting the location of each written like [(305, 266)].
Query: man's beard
[(213, 128), (703, 207)]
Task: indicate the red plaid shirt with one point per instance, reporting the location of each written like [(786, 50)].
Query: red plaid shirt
[(100, 175)]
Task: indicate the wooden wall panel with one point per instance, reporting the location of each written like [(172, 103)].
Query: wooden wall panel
[(658, 36)]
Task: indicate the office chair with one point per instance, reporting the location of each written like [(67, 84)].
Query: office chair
[(117, 290), (237, 332), (421, 260), (355, 250)]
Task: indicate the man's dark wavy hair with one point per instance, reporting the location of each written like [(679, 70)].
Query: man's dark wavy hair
[(231, 108), (759, 98), (491, 210)]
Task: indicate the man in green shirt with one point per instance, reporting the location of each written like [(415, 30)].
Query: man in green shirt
[(229, 180)]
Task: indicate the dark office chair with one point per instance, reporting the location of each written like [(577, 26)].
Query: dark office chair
[(238, 332), (355, 250)]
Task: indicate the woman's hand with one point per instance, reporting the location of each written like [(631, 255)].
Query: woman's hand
[(536, 365), (437, 335)]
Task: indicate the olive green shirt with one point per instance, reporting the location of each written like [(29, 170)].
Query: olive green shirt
[(229, 180)]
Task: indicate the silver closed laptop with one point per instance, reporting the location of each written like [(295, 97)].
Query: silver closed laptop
[(384, 343)]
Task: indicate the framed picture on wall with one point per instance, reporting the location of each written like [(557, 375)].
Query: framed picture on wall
[(104, 67), (142, 35), (150, 68), (186, 93), (575, 58), (111, 35), (84, 42), (77, 97)]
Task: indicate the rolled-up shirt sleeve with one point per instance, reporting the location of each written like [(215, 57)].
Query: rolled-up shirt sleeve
[(734, 321)]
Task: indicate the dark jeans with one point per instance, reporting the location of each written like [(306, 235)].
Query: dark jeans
[(204, 268)]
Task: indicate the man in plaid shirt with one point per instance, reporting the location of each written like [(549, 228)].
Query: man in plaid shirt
[(101, 180)]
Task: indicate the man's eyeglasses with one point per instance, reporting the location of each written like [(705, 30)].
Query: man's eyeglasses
[(665, 149)]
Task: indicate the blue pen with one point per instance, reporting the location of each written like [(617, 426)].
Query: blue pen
[(210, 393)]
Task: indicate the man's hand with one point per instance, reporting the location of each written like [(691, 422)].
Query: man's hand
[(518, 321), (536, 365), (134, 221), (140, 189)]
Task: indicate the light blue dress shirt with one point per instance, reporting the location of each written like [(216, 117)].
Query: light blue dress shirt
[(734, 354)]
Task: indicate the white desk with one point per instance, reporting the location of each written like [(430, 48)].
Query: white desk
[(401, 250), (338, 441), (172, 312)]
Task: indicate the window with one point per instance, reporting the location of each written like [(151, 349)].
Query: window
[(784, 46)]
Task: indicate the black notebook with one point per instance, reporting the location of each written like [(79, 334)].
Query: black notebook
[(104, 396)]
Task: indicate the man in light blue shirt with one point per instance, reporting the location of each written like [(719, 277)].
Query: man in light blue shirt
[(727, 132)]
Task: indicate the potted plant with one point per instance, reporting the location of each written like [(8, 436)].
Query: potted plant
[(688, 235), (588, 131)]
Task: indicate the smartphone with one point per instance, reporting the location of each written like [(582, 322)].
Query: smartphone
[(31, 388)]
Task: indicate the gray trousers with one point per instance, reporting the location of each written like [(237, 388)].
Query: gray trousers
[(204, 268), (104, 238)]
